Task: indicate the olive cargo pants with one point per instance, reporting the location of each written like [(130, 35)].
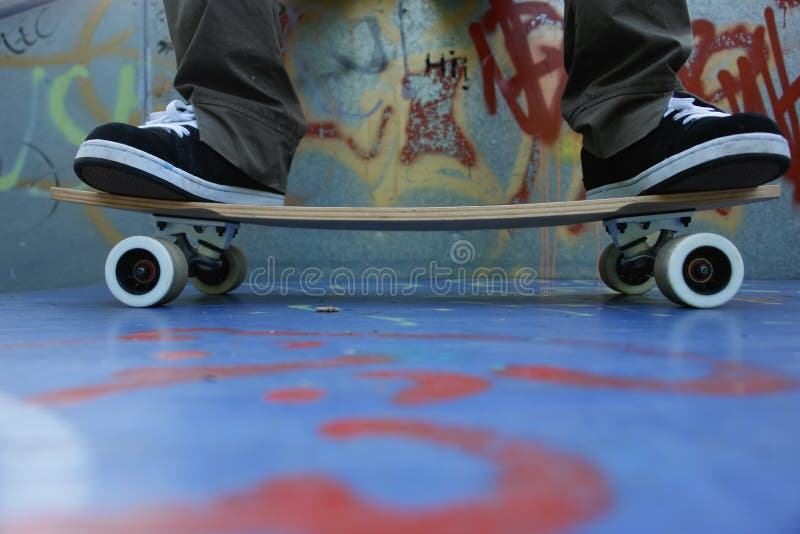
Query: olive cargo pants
[(230, 68), (621, 57)]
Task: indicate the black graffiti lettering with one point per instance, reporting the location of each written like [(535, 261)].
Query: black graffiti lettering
[(40, 33), (25, 39), (457, 65), (164, 47), (10, 47), (26, 34)]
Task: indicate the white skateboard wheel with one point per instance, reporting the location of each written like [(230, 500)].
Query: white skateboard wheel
[(144, 271), (700, 270), (227, 278), (615, 277)]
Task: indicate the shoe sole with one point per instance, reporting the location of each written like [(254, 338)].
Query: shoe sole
[(123, 170), (733, 162)]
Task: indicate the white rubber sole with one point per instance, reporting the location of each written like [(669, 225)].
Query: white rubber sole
[(166, 172), (723, 147)]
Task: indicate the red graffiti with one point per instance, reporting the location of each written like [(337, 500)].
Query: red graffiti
[(330, 130), (432, 386), (533, 92), (432, 126), (787, 4), (297, 345), (538, 490), (725, 379), (157, 377), (523, 195), (577, 229), (294, 395), (181, 355), (760, 46), (155, 335), (540, 115), (189, 334)]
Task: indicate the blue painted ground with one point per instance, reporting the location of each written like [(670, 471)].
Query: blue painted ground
[(575, 410)]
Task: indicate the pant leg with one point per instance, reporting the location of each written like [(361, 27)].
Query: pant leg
[(622, 59), (230, 68)]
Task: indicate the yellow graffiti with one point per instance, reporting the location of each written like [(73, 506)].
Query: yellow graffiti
[(385, 175), (78, 60), (126, 100), (9, 181), (58, 108), (110, 47), (126, 94), (103, 225)]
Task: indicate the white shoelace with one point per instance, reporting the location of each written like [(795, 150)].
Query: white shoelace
[(687, 111), (176, 117)]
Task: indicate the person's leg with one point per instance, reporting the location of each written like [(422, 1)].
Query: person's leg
[(230, 68), (641, 133), (236, 140), (622, 57)]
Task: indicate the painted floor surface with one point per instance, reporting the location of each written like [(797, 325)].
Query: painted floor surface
[(576, 411)]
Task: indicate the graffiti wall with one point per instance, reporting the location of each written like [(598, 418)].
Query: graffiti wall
[(408, 102)]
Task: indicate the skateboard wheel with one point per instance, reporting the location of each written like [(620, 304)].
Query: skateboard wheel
[(615, 276), (144, 271), (225, 279), (699, 271)]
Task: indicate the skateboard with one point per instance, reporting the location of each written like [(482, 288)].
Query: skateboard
[(194, 240)]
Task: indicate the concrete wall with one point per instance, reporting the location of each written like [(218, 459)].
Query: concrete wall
[(423, 102)]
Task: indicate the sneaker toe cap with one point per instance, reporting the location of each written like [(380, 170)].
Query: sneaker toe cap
[(756, 123), (149, 140), (113, 131), (740, 123)]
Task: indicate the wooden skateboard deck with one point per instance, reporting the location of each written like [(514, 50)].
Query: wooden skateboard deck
[(497, 216), (702, 270)]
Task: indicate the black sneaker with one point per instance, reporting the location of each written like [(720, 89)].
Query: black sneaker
[(696, 147), (164, 159)]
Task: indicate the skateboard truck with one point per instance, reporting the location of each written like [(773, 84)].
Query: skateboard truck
[(702, 270), (630, 235), (212, 240)]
